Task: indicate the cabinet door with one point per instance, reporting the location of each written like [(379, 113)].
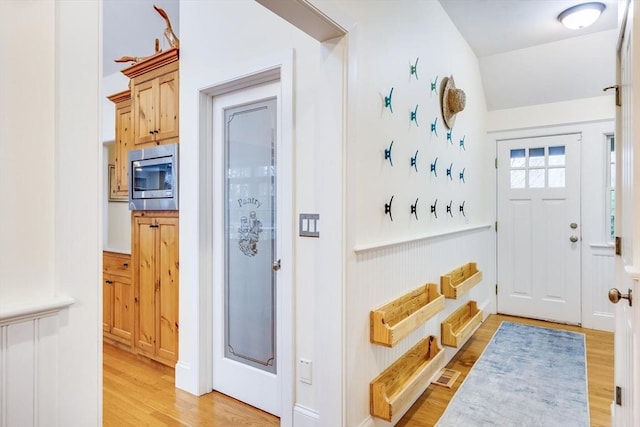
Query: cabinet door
[(167, 106), (122, 325), (106, 304), (167, 301), (144, 114), (145, 258), (124, 136)]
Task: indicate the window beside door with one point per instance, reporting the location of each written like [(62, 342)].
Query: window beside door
[(611, 187)]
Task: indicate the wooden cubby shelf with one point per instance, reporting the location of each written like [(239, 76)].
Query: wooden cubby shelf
[(461, 324), (395, 320), (457, 282), (396, 387)]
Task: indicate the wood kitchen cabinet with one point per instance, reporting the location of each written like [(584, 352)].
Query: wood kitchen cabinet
[(154, 99), (123, 141), (117, 292), (155, 278)]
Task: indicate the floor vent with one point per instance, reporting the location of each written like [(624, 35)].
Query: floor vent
[(446, 377)]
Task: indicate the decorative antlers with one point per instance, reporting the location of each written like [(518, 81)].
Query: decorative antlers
[(169, 35)]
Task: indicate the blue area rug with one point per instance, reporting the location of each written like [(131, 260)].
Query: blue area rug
[(526, 376)]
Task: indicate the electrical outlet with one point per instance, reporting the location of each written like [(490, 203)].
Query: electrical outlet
[(305, 371)]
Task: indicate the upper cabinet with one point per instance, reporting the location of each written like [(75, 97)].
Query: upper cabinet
[(154, 99), (124, 140)]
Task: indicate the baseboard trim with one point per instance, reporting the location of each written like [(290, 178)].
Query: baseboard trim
[(368, 422), (305, 417)]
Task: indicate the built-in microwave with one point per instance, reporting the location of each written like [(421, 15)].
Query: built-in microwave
[(153, 178)]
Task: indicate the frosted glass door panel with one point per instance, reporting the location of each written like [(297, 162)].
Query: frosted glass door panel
[(250, 235)]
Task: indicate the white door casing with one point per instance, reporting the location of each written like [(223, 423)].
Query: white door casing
[(539, 238), (255, 242), (626, 405)]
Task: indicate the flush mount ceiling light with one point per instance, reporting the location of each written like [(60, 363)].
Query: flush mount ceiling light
[(581, 15)]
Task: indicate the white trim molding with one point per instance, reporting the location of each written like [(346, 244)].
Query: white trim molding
[(28, 310), (29, 362)]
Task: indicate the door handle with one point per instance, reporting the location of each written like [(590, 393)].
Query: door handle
[(573, 239), (615, 296), (276, 265)]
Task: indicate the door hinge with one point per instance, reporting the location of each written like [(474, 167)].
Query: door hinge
[(496, 162), (618, 245), (496, 289), (618, 395), (496, 225)]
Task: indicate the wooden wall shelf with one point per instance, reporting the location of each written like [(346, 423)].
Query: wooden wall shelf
[(457, 282), (395, 388), (395, 320), (461, 324)]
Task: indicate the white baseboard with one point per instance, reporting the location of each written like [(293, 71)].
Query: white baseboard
[(183, 379), (368, 422), (305, 417)]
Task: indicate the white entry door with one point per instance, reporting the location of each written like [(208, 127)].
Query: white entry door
[(626, 406), (248, 237), (539, 227)]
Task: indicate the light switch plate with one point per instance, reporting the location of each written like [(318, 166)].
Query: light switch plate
[(309, 226)]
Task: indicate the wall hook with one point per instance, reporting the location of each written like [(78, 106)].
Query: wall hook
[(387, 153), (387, 208), (414, 209), (387, 101), (449, 171), (462, 175), (414, 161), (449, 136), (433, 167), (449, 208), (433, 208), (414, 69), (462, 143), (434, 85), (462, 209), (414, 115), (434, 126)]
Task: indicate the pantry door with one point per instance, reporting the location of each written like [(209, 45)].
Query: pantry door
[(248, 237), (539, 238)]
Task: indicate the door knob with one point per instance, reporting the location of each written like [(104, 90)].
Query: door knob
[(573, 239), (276, 265), (573, 225), (615, 296)]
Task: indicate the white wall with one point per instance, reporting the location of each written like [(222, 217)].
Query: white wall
[(51, 232), (387, 259), (27, 146), (222, 41), (593, 118), (525, 77)]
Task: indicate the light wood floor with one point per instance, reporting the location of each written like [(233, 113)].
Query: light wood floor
[(137, 393), (430, 406)]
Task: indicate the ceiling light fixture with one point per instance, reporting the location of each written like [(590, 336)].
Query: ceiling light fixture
[(581, 15)]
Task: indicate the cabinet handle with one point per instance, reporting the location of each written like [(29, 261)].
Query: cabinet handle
[(126, 265), (151, 132), (109, 282), (153, 225)]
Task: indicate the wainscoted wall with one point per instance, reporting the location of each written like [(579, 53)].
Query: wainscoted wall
[(598, 278), (388, 272), (29, 362)]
